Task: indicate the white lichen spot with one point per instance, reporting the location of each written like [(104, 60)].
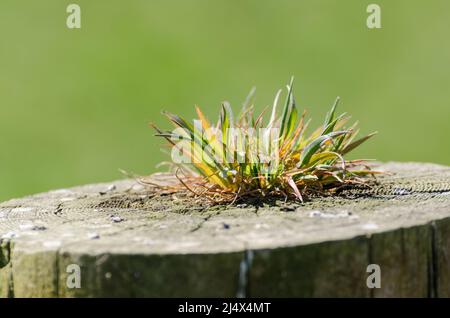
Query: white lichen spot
[(93, 236), (116, 219), (261, 226), (32, 227), (319, 214), (52, 244), (149, 242), (110, 188), (369, 226), (21, 210), (9, 235), (26, 227)]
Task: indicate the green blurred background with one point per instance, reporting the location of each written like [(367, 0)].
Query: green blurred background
[(75, 104)]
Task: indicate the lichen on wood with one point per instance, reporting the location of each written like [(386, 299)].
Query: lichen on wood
[(134, 241)]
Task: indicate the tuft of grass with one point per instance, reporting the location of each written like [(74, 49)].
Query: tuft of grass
[(249, 156)]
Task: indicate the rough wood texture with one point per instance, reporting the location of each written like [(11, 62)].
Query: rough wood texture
[(130, 241)]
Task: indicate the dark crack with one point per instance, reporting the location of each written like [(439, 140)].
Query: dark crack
[(432, 264), (200, 224), (5, 261), (5, 253), (58, 209)]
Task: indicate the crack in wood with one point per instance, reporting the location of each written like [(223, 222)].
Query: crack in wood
[(433, 275), (162, 235)]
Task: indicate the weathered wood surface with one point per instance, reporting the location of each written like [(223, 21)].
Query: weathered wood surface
[(131, 241)]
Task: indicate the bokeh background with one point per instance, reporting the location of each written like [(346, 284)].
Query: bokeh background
[(75, 104)]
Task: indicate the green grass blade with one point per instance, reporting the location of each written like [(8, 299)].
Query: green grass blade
[(356, 143), (330, 115), (288, 111), (314, 146)]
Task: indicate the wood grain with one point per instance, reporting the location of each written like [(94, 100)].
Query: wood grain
[(133, 241)]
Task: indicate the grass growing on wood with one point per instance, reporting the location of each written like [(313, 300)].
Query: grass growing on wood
[(247, 156)]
